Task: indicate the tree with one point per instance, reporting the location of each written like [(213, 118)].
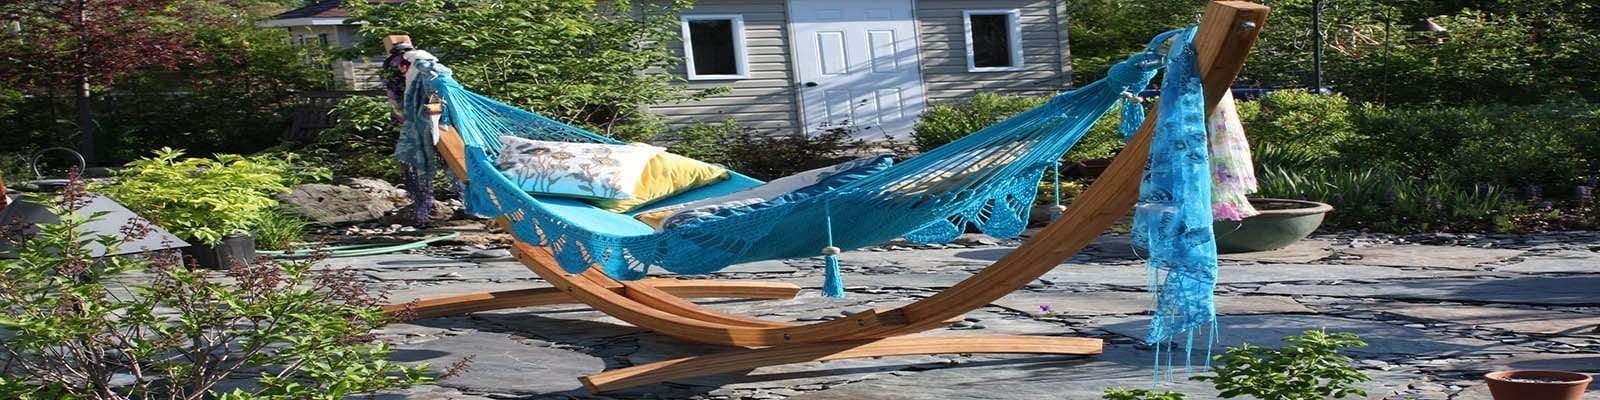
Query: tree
[(77, 45), (595, 65)]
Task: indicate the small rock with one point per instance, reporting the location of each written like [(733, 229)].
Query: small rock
[(490, 253)]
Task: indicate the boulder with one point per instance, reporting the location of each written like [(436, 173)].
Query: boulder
[(352, 200)]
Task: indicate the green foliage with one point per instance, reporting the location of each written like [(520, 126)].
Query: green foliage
[(944, 123), (706, 142), (206, 199), (1300, 122), (1505, 145), (582, 62), (1308, 368), (76, 324), (1494, 51), (1389, 202), (278, 229), (1140, 394), (761, 155), (238, 99), (361, 141)]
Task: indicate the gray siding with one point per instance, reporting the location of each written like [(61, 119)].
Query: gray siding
[(764, 101), (944, 50), (767, 100)]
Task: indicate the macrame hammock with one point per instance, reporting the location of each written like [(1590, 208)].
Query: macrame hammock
[(987, 179)]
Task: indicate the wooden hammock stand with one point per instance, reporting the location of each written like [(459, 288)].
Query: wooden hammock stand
[(1227, 31)]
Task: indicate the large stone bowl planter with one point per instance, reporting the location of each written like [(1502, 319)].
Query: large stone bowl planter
[(1537, 385), (1281, 223)]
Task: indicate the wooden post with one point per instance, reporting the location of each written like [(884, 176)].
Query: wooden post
[(5, 199), (394, 40)]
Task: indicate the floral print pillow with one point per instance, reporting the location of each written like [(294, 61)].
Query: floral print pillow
[(582, 170)]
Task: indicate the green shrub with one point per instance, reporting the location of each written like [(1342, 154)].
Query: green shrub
[(593, 64), (944, 123), (762, 155), (148, 328), (205, 199), (1503, 145), (1308, 368), (1140, 394), (278, 229), (1309, 126), (1377, 199), (706, 141), (361, 141)]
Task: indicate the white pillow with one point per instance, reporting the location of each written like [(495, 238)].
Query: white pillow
[(582, 170)]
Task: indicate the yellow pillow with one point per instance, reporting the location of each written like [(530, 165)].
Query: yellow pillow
[(655, 218), (665, 175)]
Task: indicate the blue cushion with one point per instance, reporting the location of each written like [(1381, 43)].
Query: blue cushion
[(593, 219), (847, 173)]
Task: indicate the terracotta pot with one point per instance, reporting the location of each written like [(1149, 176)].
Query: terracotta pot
[(1537, 385), (1281, 223)]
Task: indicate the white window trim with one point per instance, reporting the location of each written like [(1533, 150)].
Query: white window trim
[(741, 58), (1015, 20)]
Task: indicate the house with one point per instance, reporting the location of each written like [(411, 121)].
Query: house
[(322, 23), (815, 65)]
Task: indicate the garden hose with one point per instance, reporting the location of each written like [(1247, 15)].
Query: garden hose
[(358, 250)]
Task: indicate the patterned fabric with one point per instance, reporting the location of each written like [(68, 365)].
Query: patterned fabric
[(1172, 220), (666, 175), (1233, 172), (780, 191), (583, 170)]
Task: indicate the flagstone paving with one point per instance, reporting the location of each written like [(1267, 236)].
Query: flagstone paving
[(1437, 311)]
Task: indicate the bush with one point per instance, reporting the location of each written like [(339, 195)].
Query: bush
[(944, 123), (1140, 394), (1502, 145), (1298, 123), (587, 63), (1308, 368), (759, 155), (1389, 202), (206, 199), (137, 328), (361, 141), (278, 229)]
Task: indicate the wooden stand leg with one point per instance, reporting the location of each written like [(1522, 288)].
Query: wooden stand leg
[(742, 360), (485, 301)]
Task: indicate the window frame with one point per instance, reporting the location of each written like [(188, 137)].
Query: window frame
[(1014, 19), (741, 58)]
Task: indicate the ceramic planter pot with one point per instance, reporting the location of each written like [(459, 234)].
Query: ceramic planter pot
[(1537, 385), (240, 248), (1281, 223)]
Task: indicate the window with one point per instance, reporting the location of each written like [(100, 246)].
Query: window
[(713, 47), (994, 40)]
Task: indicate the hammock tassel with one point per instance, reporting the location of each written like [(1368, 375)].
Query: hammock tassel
[(833, 282), (1132, 115)]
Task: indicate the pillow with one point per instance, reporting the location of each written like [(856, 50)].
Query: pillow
[(788, 189), (665, 175), (582, 170)]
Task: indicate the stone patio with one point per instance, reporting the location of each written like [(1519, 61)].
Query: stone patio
[(1436, 316)]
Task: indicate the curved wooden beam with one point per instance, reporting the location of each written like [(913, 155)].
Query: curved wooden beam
[(533, 297), (743, 360)]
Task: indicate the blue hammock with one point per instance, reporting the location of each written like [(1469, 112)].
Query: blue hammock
[(987, 179)]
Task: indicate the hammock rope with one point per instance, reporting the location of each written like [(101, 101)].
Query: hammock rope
[(987, 180)]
